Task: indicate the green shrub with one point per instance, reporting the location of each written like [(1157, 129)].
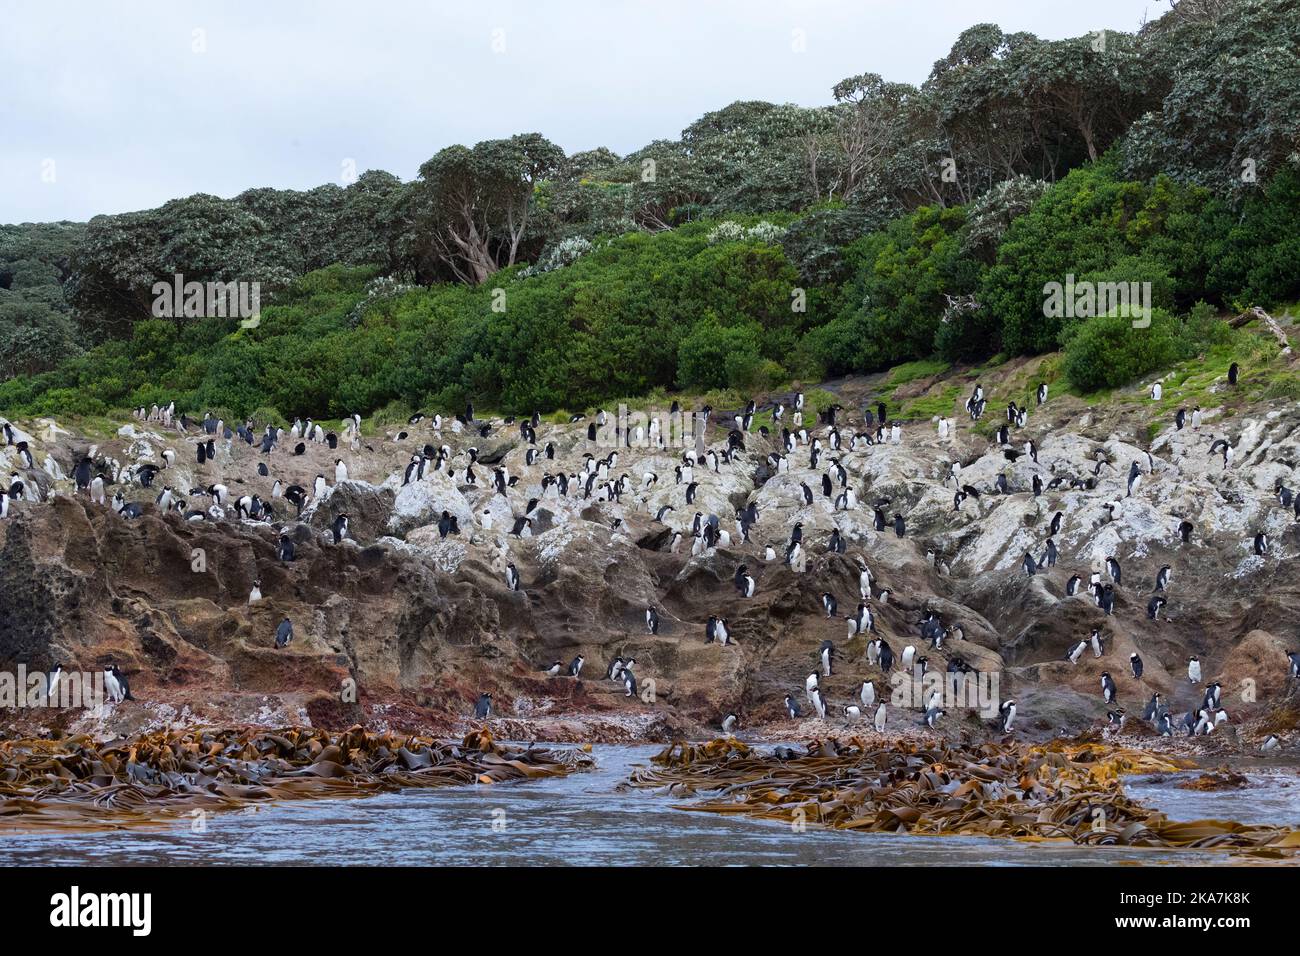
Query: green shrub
[(1107, 351)]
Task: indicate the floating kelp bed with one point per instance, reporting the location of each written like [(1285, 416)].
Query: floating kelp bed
[(1054, 792), (78, 783)]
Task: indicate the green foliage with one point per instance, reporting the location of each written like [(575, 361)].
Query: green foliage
[(1107, 351)]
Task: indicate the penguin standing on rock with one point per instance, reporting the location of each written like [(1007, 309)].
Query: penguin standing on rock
[(1135, 662), (483, 706), (1107, 688)]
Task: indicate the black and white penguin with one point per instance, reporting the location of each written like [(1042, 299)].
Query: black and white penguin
[(932, 716), (483, 706), (554, 669), (575, 666), (1113, 569), (255, 593), (867, 694), (827, 656), (729, 723), (652, 620), (1134, 478), (1072, 585), (1115, 720), (1106, 600), (1042, 392), (745, 582), (792, 708), (629, 682), (829, 604), (1162, 578), (900, 526), (1029, 564), (1193, 670), (284, 633), (1185, 528), (1135, 664), (1154, 607), (512, 577), (615, 669), (1008, 712), (1096, 642), (879, 719), (1107, 688), (818, 702), (1234, 372), (1261, 544), (339, 527), (116, 685), (285, 548)]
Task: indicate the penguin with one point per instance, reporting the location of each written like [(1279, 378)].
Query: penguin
[(483, 706), (1095, 642), (745, 582), (879, 720), (448, 524), (1154, 708), (575, 666), (1157, 391), (629, 682), (829, 603), (1107, 688), (1261, 544), (512, 577), (339, 527), (1072, 585), (1193, 670), (1106, 601), (1076, 652), (1008, 712), (554, 669), (1042, 393), (932, 716), (1029, 564), (1113, 569), (1164, 726), (1162, 578), (115, 683), (792, 708), (729, 723), (900, 526), (652, 620), (284, 633), (1134, 478), (1271, 742), (1234, 372), (1180, 419), (55, 676), (818, 702), (615, 669), (1185, 531), (886, 658), (1135, 664), (255, 594), (1294, 658), (867, 693), (1115, 720), (826, 655), (852, 712), (285, 549), (1154, 606)]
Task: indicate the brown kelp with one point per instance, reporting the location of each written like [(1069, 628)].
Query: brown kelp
[(1058, 791), (78, 782)]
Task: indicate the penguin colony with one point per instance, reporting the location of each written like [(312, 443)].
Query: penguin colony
[(825, 442)]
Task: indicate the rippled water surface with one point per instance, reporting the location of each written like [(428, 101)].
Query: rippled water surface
[(580, 820)]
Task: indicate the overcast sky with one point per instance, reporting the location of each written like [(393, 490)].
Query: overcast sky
[(109, 105)]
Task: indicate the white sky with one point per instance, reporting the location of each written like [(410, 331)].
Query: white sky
[(112, 98)]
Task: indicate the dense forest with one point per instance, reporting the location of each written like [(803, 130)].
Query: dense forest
[(770, 243)]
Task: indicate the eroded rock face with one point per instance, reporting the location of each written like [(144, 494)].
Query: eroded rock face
[(414, 625)]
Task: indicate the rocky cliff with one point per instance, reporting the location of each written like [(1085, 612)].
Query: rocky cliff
[(399, 627)]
